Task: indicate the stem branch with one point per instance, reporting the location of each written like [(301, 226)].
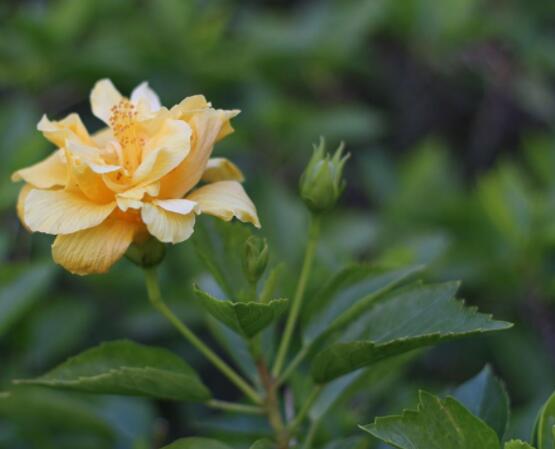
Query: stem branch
[(235, 407), (156, 300)]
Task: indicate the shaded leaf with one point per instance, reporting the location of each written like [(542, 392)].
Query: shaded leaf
[(196, 443), (545, 425), (245, 318), (436, 424), (127, 368), (485, 396), (17, 296), (263, 444), (416, 317)]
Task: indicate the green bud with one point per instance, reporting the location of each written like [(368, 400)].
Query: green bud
[(322, 182), (255, 258), (146, 254)]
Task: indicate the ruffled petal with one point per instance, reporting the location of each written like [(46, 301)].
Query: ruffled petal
[(96, 249), (62, 212), (50, 172), (206, 126), (164, 151), (166, 224), (222, 169), (22, 197), (225, 200), (104, 97), (145, 98), (58, 131)]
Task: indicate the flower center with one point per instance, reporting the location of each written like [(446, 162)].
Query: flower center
[(123, 122)]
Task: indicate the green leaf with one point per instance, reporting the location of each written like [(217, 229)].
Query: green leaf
[(348, 294), (127, 368), (485, 396), (196, 443), (245, 318), (517, 444), (17, 296), (436, 424), (263, 444), (415, 317), (545, 425), (39, 408)]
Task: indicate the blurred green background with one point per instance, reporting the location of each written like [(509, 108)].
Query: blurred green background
[(446, 107)]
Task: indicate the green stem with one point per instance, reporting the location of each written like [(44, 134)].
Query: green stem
[(235, 407), (292, 366), (156, 300), (311, 434), (310, 251), (303, 412)]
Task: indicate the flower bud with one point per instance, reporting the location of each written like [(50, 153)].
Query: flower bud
[(255, 258), (147, 253), (322, 181)]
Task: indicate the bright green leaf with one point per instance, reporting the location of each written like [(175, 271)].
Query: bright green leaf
[(127, 368), (436, 424), (485, 396), (245, 318), (545, 425), (196, 443), (517, 444), (415, 317)]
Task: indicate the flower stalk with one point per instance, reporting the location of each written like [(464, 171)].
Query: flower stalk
[(313, 234), (157, 301)]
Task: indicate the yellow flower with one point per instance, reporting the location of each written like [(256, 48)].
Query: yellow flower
[(138, 176)]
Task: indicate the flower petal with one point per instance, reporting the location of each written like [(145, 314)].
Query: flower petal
[(144, 96), (62, 212), (164, 151), (222, 169), (96, 249), (23, 193), (166, 226), (58, 131), (48, 173), (206, 127), (179, 206), (225, 200), (104, 96)]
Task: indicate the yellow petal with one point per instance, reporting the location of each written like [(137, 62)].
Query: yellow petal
[(58, 131), (61, 212), (91, 156), (164, 151), (145, 98), (102, 137), (96, 249), (206, 128), (23, 193), (222, 169), (225, 200), (104, 96), (169, 226), (48, 173)]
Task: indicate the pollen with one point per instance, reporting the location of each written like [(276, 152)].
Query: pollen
[(124, 123)]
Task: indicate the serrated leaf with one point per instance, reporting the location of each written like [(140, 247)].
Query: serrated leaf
[(348, 294), (545, 425), (517, 444), (245, 318), (436, 424), (416, 317), (485, 396), (263, 444), (197, 443), (127, 368)]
